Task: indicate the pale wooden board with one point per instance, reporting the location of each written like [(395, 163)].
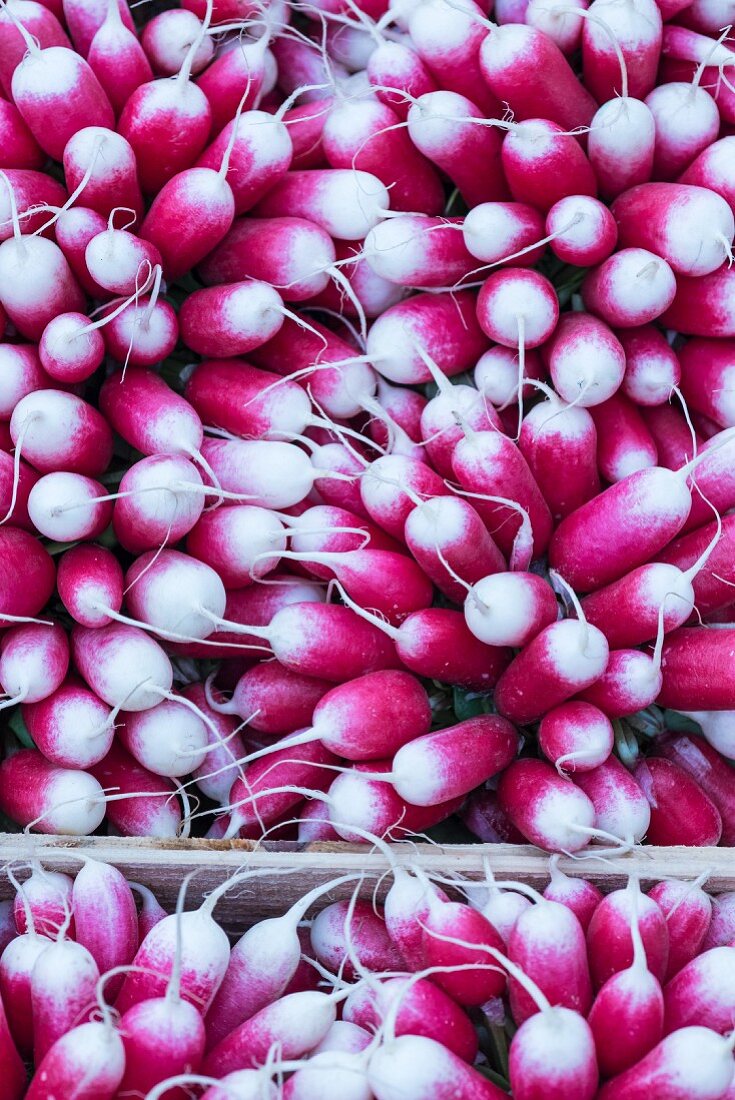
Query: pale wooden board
[(288, 870)]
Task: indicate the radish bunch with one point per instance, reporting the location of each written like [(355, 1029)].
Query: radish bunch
[(366, 450), (104, 994)]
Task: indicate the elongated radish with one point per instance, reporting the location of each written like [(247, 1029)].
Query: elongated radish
[(26, 561), (48, 896), (457, 935), (652, 368), (630, 288), (576, 736), (620, 806), (14, 1074), (51, 799), (59, 431), (545, 808), (624, 443), (696, 669), (510, 609), (89, 583), (63, 985), (672, 1068), (418, 251), (631, 682), (688, 911), (449, 41), (166, 40), (686, 120), (138, 802), (412, 1067), (34, 659), (586, 361), (504, 233), (579, 895), (543, 164), (610, 939), (91, 1053), (556, 435), (108, 161), (704, 764)]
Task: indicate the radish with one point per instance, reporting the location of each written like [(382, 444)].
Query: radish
[(630, 682), (676, 1068), (23, 373), (108, 161), (119, 261), (167, 37), (456, 936), (721, 930), (160, 499), (555, 435), (262, 152), (578, 338), (30, 193), (87, 1063), (620, 806), (70, 348), (618, 37), (168, 739), (582, 230), (44, 903), (243, 544), (652, 368), (630, 288), (624, 443), (350, 937), (517, 308), (716, 728), (75, 228), (63, 985), (711, 577), (59, 431), (27, 561), (711, 169), (117, 59), (695, 667), (610, 936), (545, 808), (231, 319), (16, 511), (543, 164), (105, 917), (420, 251), (688, 911), (274, 699), (707, 366), (346, 204), (16, 966), (621, 143), (406, 907), (140, 333), (413, 1067), (84, 518), (84, 20), (579, 895), (675, 445), (701, 306), (642, 593), (504, 233), (448, 38), (14, 1072), (297, 1021), (38, 794), (31, 303), (653, 216), (627, 1016), (576, 737), (90, 579), (510, 609), (122, 665), (700, 760), (40, 22), (236, 75), (526, 69), (440, 126), (556, 20), (138, 803), (34, 659), (216, 774), (448, 539), (686, 120)]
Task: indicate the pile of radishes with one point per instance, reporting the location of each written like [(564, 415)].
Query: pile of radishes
[(429, 996), (366, 419)]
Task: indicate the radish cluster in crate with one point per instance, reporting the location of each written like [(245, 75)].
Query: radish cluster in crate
[(276, 183), (630, 993)]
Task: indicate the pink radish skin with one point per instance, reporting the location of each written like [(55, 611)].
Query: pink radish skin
[(394, 68), (630, 288), (113, 173), (560, 25), (466, 152), (166, 40), (26, 479), (261, 155), (216, 774), (637, 34), (346, 204), (71, 727), (119, 261), (495, 232), (117, 59), (29, 189), (449, 41), (696, 670), (87, 1062), (31, 303), (639, 515), (28, 575), (439, 427), (58, 94), (688, 911), (241, 543), (68, 350), (292, 254), (169, 224), (150, 911), (577, 894), (63, 985), (75, 228), (149, 415), (162, 1036), (231, 319), (16, 966), (543, 164), (526, 69), (34, 659), (583, 230), (345, 937), (41, 23), (451, 762), (167, 124), (627, 610), (652, 368), (450, 528), (13, 1070), (630, 682), (563, 659), (686, 120), (712, 583), (148, 807), (691, 228), (446, 324), (105, 917), (681, 813), (620, 806), (373, 294), (297, 1021), (161, 506), (702, 306), (90, 580), (363, 135), (413, 1067), (609, 939), (510, 609), (84, 20), (701, 760), (721, 931), (701, 991), (545, 808), (576, 737), (547, 944), (406, 907), (556, 436), (585, 360), (141, 334), (713, 169), (553, 1054), (152, 583), (489, 464), (122, 665), (419, 251), (48, 896), (64, 507), (674, 445), (450, 920), (58, 431), (22, 373), (238, 68), (360, 804), (57, 800), (671, 1069), (382, 490), (502, 909), (707, 369), (624, 443)]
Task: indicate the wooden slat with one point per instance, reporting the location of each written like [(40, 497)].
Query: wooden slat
[(287, 871)]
